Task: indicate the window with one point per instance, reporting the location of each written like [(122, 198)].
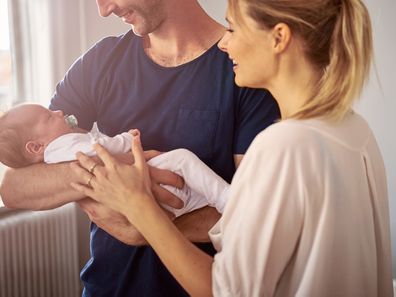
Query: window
[(5, 57), (5, 66)]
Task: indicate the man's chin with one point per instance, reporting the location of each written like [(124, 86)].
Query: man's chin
[(138, 32)]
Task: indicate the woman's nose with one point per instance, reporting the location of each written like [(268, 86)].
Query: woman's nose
[(223, 42)]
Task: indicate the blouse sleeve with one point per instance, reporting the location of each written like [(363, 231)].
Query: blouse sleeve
[(262, 222)]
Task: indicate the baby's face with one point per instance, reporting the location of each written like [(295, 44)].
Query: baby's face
[(45, 125)]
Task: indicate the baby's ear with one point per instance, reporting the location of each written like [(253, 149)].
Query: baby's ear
[(34, 147)]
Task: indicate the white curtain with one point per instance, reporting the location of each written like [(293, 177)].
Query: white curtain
[(45, 40), (30, 48)]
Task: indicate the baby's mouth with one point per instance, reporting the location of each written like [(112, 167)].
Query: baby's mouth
[(71, 120)]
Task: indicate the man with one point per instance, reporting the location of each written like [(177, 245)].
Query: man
[(168, 79)]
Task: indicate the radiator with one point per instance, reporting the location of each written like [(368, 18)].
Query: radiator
[(39, 254)]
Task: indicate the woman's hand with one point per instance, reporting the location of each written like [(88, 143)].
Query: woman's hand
[(123, 188)]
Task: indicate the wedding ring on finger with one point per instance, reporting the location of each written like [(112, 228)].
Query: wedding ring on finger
[(92, 168), (89, 181)]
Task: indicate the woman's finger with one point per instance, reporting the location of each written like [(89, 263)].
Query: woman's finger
[(134, 132), (81, 172), (137, 151), (87, 191), (99, 171), (108, 160), (86, 162)]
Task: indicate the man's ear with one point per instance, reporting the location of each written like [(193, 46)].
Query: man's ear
[(281, 36), (34, 147)]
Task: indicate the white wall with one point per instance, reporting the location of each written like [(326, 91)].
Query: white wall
[(216, 9), (97, 27), (82, 27), (378, 103)]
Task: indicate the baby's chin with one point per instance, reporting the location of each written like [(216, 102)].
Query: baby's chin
[(56, 134), (69, 130)]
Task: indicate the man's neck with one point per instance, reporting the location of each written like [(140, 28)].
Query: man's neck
[(185, 35)]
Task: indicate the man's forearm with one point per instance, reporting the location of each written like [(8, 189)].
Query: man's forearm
[(195, 225), (39, 187)]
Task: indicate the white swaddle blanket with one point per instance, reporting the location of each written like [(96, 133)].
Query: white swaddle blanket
[(202, 186)]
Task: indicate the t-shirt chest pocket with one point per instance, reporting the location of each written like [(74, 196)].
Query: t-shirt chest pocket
[(196, 131)]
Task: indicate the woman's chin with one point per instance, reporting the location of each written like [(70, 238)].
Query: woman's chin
[(240, 82)]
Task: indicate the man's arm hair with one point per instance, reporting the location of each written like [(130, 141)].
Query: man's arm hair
[(39, 187), (44, 186), (196, 225)]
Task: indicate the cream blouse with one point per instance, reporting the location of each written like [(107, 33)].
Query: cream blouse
[(307, 216)]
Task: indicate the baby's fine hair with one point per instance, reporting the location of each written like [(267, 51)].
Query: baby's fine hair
[(12, 143)]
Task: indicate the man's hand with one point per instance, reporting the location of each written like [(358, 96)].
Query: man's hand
[(112, 222), (165, 177), (158, 177), (196, 224), (39, 187)]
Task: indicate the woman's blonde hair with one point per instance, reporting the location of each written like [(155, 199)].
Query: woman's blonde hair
[(337, 39)]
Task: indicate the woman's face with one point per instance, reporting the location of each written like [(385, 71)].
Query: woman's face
[(250, 49)]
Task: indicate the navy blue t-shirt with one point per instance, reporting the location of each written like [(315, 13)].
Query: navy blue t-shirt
[(195, 106)]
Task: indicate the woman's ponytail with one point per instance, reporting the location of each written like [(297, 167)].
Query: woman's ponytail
[(349, 63)]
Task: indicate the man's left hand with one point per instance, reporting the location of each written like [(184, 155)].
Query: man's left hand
[(112, 222)]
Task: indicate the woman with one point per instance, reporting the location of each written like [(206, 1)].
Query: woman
[(307, 213)]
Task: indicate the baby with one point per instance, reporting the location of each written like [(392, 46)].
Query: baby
[(30, 133)]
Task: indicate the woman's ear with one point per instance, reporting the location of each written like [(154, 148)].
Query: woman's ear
[(34, 147), (281, 36)]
